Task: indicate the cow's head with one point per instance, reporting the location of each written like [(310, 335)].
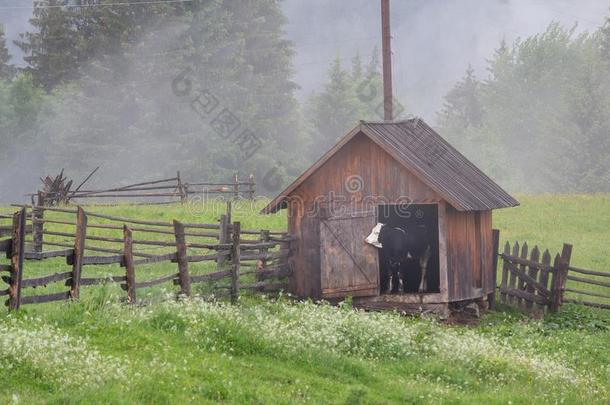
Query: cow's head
[(373, 238)]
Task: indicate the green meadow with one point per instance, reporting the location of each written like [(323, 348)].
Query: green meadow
[(279, 350)]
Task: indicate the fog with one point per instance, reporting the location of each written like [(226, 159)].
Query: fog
[(433, 43), (433, 40)]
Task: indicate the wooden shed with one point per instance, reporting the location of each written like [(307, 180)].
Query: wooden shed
[(391, 171)]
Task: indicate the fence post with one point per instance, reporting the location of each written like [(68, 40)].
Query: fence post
[(504, 282), (181, 257), (286, 245), (223, 237), (37, 223), (559, 281), (235, 256), (251, 186), (79, 251), (491, 297), (533, 273), (236, 186), (185, 191), (130, 273), (521, 285), (17, 252), (512, 277), (181, 188), (229, 211), (543, 278), (262, 263)]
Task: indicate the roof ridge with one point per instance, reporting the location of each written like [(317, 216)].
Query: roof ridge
[(392, 122), (428, 156)]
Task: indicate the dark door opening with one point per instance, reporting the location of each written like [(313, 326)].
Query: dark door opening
[(420, 221)]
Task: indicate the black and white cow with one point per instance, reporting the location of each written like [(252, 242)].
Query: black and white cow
[(401, 251)]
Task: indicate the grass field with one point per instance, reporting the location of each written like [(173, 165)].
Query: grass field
[(98, 350), (551, 220)]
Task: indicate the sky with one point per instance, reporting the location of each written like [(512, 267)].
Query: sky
[(434, 41)]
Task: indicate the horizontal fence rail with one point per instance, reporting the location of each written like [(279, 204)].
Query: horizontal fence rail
[(588, 287), (242, 261), (174, 189)]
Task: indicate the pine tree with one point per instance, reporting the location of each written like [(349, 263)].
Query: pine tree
[(347, 97), (240, 55), (124, 101), (605, 31), (335, 110), (462, 108), (65, 39), (51, 49), (369, 90), (545, 119), (357, 70), (6, 69)]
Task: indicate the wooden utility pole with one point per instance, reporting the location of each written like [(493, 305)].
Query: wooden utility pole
[(386, 46)]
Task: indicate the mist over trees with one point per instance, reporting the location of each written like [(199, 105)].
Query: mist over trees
[(349, 95), (145, 90), (540, 120), (64, 39), (6, 68), (108, 76)]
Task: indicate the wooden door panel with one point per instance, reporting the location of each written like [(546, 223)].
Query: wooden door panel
[(349, 265)]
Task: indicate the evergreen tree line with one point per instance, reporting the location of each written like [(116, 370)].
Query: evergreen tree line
[(540, 120), (99, 89), (145, 90)]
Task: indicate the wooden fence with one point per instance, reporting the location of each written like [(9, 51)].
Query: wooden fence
[(238, 259), (171, 189), (534, 280), (578, 278)]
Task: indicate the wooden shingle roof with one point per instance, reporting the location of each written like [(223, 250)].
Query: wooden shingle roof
[(421, 150)]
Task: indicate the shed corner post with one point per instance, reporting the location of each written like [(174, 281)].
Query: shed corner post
[(79, 252), (17, 255), (442, 251), (491, 297), (235, 256), (559, 281)]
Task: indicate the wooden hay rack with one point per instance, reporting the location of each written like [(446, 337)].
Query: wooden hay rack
[(162, 191)]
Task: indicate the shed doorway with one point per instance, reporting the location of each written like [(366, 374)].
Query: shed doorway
[(415, 219)]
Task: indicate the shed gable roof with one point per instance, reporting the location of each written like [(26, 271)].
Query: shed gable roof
[(428, 156)]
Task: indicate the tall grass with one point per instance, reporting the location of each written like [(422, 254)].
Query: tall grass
[(99, 350), (272, 351)]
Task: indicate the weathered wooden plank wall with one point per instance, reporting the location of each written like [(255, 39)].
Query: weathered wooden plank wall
[(469, 254), (377, 179)]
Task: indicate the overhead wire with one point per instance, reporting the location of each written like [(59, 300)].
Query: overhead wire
[(122, 3)]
